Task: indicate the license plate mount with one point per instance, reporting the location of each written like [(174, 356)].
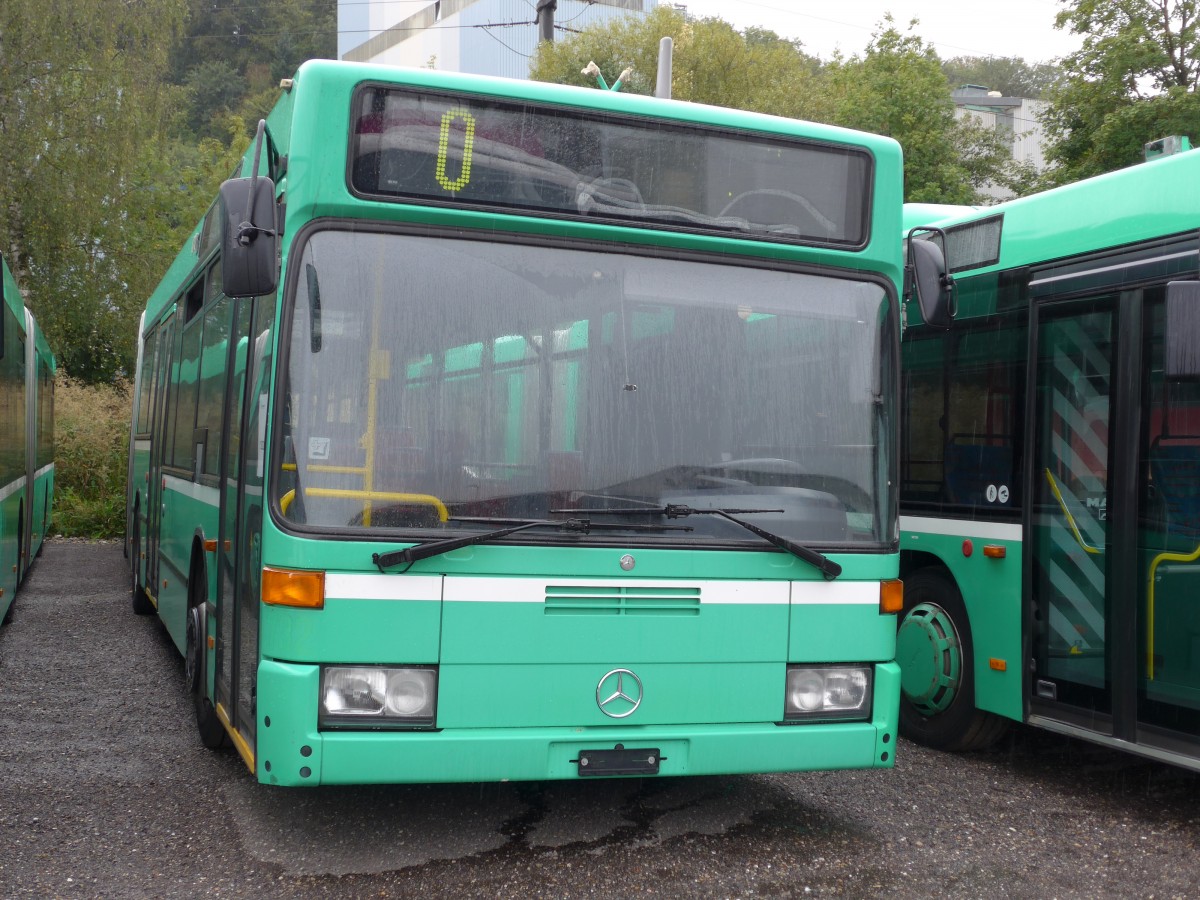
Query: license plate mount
[(619, 761)]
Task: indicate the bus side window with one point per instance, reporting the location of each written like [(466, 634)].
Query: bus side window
[(1175, 469)]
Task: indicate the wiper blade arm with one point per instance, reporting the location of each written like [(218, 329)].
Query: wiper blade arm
[(582, 526), (827, 566), (418, 552), (823, 563), (671, 511)]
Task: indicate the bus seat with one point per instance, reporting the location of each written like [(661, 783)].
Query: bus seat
[(1175, 470)]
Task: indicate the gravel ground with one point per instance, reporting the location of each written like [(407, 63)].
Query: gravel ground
[(105, 791)]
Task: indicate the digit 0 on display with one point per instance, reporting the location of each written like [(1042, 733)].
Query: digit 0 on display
[(464, 176)]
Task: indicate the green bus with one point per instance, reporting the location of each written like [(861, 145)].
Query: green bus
[(27, 369), (1050, 470), (495, 430)]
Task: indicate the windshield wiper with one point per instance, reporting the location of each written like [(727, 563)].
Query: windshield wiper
[(418, 552), (827, 566), (582, 526)]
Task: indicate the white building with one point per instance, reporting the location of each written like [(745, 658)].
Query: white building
[(1018, 116), (481, 37)]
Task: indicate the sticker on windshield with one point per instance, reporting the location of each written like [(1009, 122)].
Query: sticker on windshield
[(318, 448)]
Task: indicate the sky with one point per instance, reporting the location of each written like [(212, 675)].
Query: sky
[(1023, 28)]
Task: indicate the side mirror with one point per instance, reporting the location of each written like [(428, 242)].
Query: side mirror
[(926, 278), (249, 237), (1182, 340)]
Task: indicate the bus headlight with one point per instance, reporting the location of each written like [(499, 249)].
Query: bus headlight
[(378, 696), (827, 692)]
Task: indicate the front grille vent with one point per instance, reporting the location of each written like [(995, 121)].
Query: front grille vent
[(616, 600)]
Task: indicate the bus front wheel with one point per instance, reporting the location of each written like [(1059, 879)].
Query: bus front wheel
[(934, 649)]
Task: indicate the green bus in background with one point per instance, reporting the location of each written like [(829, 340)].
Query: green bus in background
[(27, 369), (496, 430), (1050, 470)]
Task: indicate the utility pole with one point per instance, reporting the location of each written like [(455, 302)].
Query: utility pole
[(545, 19)]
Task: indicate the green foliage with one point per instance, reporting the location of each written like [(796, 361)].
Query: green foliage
[(106, 163), (896, 88), (91, 433), (83, 94), (1010, 75), (214, 87), (230, 54), (711, 62), (1132, 81)]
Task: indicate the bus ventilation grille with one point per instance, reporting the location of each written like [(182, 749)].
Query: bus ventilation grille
[(612, 600)]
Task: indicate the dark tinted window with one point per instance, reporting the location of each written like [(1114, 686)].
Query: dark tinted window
[(581, 163)]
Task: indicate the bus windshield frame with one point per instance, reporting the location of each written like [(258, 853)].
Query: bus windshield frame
[(762, 388)]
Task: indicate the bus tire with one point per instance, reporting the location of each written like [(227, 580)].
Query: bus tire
[(936, 656), (208, 724), (137, 595)]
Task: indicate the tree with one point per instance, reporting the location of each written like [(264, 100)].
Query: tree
[(1010, 75), (897, 88), (233, 55), (712, 62), (1133, 80), (83, 105)]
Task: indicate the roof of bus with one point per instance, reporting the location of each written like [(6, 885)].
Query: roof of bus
[(318, 78), (1153, 199), (12, 293), (918, 214), (314, 108)]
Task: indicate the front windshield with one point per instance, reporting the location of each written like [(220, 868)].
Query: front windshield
[(436, 384)]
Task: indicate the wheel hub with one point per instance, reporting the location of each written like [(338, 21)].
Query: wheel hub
[(930, 657)]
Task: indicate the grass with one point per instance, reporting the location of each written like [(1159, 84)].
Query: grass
[(91, 435)]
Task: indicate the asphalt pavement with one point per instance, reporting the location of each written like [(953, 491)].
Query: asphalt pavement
[(105, 791)]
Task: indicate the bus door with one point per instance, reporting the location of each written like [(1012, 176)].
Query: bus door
[(1168, 548), (230, 541), (242, 479), (1070, 610), (160, 432)]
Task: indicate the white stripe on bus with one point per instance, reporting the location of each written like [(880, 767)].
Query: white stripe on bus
[(836, 593), (990, 531), (201, 493), (13, 487), (370, 586)]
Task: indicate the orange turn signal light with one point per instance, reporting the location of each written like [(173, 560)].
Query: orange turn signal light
[(290, 587), (891, 596), (995, 551)]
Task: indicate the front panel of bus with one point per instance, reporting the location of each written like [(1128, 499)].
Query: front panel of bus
[(571, 463)]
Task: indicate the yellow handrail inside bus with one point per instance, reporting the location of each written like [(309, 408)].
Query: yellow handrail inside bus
[(423, 499), (1070, 518), (1162, 557), (337, 470), (367, 496)]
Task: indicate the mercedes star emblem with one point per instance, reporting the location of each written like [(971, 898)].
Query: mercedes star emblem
[(619, 693)]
